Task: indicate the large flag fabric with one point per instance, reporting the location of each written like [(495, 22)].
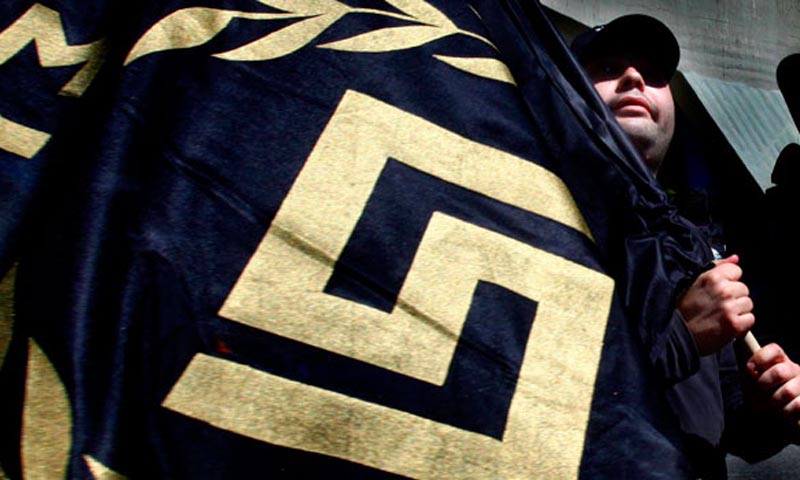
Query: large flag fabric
[(341, 239)]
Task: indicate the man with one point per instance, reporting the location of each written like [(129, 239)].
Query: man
[(631, 61)]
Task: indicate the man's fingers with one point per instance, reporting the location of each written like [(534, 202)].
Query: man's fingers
[(741, 305), (732, 298), (788, 392), (742, 323), (733, 289), (793, 408), (734, 259), (762, 365), (768, 356), (778, 375), (724, 272)]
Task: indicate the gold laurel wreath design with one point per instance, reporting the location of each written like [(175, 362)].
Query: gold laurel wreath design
[(195, 26)]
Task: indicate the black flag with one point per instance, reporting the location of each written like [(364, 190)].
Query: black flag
[(331, 238)]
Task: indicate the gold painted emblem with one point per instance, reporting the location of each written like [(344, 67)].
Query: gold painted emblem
[(281, 291), (191, 27)]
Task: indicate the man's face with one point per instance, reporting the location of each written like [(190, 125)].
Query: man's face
[(640, 98)]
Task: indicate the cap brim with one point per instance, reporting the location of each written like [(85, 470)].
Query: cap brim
[(631, 34)]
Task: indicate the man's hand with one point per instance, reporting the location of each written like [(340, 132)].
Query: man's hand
[(717, 307), (778, 380)]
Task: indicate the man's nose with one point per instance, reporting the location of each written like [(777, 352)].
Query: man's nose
[(631, 78)]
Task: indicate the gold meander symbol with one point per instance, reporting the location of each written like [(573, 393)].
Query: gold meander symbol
[(281, 291)]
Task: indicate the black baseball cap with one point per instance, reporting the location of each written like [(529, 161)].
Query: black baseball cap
[(636, 34)]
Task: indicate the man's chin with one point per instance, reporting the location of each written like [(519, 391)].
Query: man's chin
[(642, 131), (637, 125)]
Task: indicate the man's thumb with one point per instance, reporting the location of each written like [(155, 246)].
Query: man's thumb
[(734, 259)]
